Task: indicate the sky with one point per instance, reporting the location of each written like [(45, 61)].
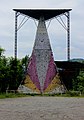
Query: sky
[(57, 34)]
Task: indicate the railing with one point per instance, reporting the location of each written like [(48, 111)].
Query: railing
[(11, 91)]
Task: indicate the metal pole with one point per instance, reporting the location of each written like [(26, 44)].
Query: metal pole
[(16, 35), (68, 36)]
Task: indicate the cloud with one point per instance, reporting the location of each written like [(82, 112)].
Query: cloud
[(57, 35)]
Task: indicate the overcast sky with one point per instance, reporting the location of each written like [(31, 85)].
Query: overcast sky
[(57, 34)]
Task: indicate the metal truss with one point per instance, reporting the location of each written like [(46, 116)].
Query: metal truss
[(17, 28), (67, 28), (60, 20)]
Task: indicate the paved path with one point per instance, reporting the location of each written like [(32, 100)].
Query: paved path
[(42, 108)]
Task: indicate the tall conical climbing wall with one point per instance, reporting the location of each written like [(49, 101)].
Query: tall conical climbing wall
[(42, 71)]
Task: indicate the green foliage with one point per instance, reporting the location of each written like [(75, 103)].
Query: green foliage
[(12, 71), (15, 95), (78, 83), (12, 95), (80, 60), (1, 51), (72, 93)]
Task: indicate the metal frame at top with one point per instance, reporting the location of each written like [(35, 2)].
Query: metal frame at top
[(47, 14)]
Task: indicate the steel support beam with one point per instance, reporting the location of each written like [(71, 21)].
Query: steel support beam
[(16, 34), (68, 35), (66, 27)]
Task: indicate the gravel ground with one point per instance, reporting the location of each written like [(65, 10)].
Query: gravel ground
[(42, 108)]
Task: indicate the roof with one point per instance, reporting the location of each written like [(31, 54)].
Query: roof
[(47, 13)]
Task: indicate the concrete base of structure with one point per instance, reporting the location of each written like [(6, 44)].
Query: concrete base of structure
[(25, 90), (57, 90)]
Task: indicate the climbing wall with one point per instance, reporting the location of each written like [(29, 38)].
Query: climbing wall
[(42, 70), (42, 51)]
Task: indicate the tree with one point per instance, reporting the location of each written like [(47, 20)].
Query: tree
[(25, 62), (12, 71), (3, 70), (15, 73), (1, 51), (78, 83)]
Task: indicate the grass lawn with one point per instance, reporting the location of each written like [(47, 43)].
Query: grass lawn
[(15, 95)]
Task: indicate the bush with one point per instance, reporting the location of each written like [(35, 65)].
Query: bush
[(73, 93)]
